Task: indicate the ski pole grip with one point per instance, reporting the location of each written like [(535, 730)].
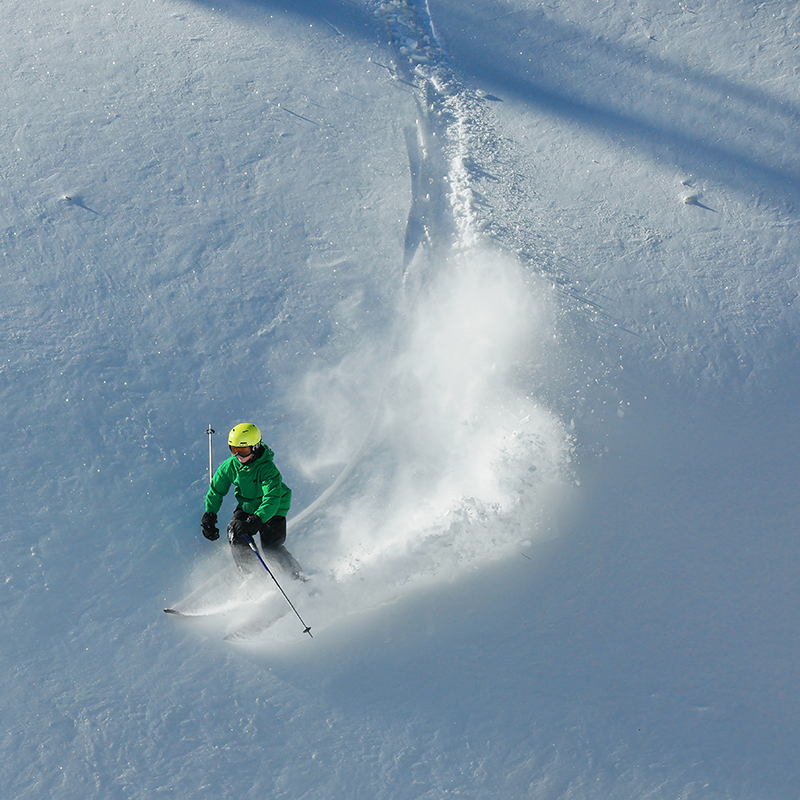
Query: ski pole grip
[(210, 431)]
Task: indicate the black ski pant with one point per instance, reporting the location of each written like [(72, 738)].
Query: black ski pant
[(273, 535)]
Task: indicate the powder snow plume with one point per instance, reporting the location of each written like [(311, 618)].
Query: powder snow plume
[(458, 462)]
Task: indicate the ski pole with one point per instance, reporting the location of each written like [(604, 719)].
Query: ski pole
[(306, 628), (210, 431)]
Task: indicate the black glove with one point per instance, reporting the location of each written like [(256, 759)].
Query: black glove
[(255, 523), (243, 525), (209, 526)]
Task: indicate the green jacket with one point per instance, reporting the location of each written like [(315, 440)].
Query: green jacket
[(259, 488)]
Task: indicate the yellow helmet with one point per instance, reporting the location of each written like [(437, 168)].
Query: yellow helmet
[(245, 434)]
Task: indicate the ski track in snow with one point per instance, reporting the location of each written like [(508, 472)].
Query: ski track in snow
[(443, 211), (455, 381)]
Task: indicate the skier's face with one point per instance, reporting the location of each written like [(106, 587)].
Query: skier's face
[(243, 454)]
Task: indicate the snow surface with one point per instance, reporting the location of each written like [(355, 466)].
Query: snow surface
[(512, 290)]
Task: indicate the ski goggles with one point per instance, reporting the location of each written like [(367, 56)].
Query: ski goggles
[(240, 451)]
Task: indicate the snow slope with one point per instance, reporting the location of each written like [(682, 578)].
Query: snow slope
[(511, 289)]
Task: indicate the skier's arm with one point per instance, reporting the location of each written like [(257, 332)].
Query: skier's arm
[(273, 497), (220, 484)]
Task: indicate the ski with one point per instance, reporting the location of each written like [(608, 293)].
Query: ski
[(220, 593), (223, 597)]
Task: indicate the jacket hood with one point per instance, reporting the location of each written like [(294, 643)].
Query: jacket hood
[(266, 453)]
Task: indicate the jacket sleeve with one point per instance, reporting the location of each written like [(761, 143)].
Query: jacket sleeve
[(220, 484), (273, 492)]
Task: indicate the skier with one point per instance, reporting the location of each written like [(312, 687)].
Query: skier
[(263, 500)]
